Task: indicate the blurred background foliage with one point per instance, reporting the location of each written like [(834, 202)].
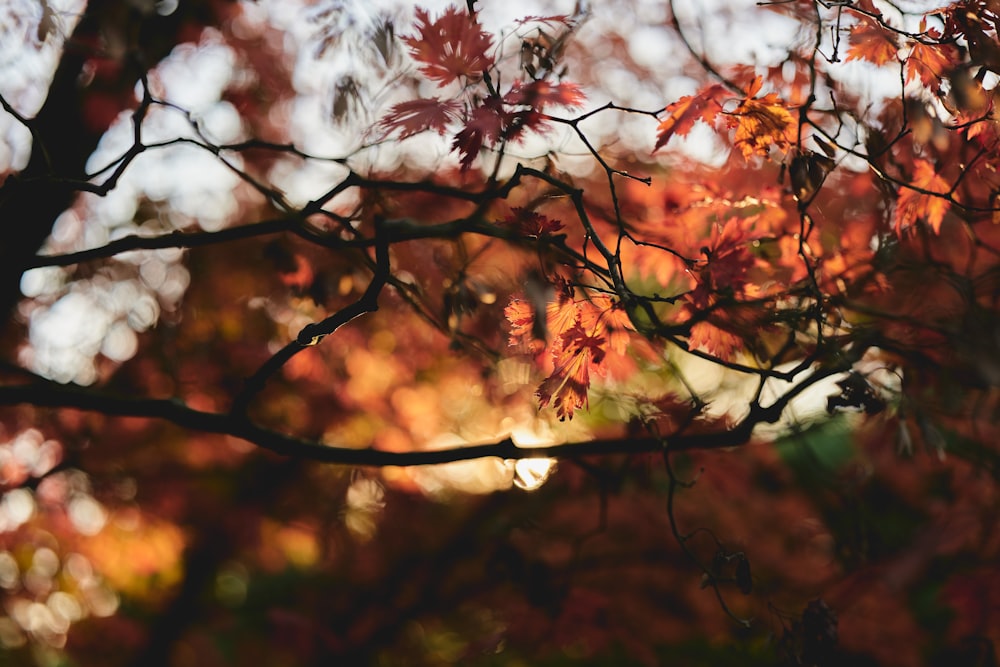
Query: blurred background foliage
[(869, 539)]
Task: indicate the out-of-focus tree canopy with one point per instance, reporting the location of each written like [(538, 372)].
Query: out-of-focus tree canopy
[(536, 333)]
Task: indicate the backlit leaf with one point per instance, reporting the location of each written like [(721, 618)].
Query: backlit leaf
[(484, 127), (762, 123), (688, 110), (419, 115), (453, 46), (913, 205), (521, 317), (717, 342), (566, 389), (930, 62), (871, 42), (542, 93)]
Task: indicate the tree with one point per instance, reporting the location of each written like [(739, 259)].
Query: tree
[(297, 328)]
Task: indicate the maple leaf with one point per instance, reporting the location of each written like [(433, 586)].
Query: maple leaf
[(418, 115), (710, 338), (930, 62), (761, 123), (566, 388), (729, 262), (872, 43), (603, 316), (453, 46), (540, 94), (581, 332), (685, 112), (561, 315), (524, 332), (521, 316), (531, 224), (522, 121), (912, 205), (485, 126)]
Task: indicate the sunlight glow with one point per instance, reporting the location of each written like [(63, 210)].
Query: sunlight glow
[(365, 501), (530, 474)]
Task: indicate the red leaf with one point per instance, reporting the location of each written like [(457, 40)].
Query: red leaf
[(451, 47), (539, 94), (485, 126), (688, 110), (729, 262), (418, 115), (912, 204), (530, 223)]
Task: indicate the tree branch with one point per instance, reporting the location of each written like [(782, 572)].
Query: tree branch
[(175, 239), (312, 334), (50, 394)]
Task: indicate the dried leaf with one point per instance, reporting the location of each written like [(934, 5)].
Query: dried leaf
[(744, 580)]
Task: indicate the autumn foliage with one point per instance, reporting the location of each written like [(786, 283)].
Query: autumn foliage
[(484, 349)]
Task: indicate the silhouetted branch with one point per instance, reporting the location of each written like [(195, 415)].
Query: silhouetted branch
[(176, 239), (312, 334), (174, 411)]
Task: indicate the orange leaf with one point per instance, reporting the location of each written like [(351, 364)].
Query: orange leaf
[(566, 389), (762, 123), (710, 338), (581, 332), (872, 43), (600, 315), (451, 47), (931, 62), (521, 316), (562, 315), (688, 110), (913, 204)]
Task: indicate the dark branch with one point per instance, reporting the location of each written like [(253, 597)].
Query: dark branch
[(312, 334), (174, 411), (176, 239)]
